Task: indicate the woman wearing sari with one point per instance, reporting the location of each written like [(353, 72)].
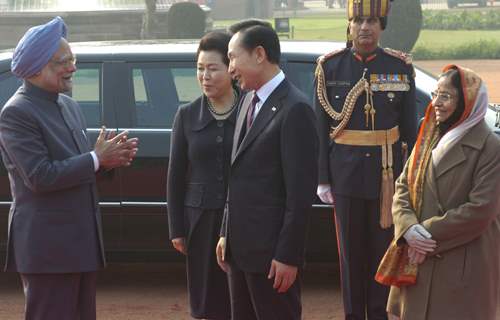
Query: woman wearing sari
[(444, 262)]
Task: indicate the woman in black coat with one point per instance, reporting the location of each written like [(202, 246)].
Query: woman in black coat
[(200, 157)]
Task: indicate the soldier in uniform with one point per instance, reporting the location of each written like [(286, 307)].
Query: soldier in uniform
[(365, 106)]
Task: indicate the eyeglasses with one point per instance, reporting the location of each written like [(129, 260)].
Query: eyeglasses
[(444, 97), (66, 63)]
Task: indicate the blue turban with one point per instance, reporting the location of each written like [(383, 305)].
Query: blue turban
[(37, 47)]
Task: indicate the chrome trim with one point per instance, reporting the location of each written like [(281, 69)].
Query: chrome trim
[(143, 204), (323, 206), (133, 129), (154, 204), (101, 204), (109, 204), (145, 130), (162, 204)]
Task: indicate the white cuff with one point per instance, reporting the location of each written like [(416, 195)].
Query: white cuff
[(322, 188), (96, 160)]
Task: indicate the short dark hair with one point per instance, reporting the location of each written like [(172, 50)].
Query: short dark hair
[(456, 82), (245, 24), (256, 33), (215, 41)]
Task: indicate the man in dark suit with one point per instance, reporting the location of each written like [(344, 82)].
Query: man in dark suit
[(272, 181), (55, 241)]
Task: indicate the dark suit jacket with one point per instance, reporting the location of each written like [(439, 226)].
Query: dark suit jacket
[(200, 155), (54, 221), (273, 182)]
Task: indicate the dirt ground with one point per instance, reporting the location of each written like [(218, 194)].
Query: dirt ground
[(488, 70), (158, 292)]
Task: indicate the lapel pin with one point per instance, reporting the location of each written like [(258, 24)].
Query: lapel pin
[(274, 109)]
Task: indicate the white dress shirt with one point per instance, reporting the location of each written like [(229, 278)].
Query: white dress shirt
[(265, 91)]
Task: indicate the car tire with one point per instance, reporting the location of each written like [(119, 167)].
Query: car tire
[(481, 3), (451, 4)]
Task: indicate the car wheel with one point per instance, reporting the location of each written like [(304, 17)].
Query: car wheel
[(482, 3), (451, 4)]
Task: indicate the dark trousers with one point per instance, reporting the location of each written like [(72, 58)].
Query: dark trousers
[(64, 296), (253, 297), (362, 244)]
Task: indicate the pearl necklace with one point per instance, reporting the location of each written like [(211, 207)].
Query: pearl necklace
[(214, 111)]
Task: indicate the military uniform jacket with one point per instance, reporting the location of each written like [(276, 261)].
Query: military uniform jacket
[(356, 170)]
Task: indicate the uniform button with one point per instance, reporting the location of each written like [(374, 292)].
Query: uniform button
[(219, 139), (219, 159), (220, 196), (220, 178), (368, 155), (220, 124)]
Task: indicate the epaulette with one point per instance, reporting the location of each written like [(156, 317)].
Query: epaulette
[(405, 57), (329, 55)]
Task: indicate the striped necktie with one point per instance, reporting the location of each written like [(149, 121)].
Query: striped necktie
[(250, 113)]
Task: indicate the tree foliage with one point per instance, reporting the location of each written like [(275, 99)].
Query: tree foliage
[(403, 26), (185, 20), (461, 20)]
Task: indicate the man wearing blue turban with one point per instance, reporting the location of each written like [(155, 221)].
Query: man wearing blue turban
[(55, 241)]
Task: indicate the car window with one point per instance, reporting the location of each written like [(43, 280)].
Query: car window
[(301, 74), (8, 86), (86, 91), (86, 84), (158, 92)]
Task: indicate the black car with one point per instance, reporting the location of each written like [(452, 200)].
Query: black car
[(138, 86)]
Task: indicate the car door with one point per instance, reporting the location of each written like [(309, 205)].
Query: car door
[(94, 85), (147, 109)]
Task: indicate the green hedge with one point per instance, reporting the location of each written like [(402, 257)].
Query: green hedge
[(488, 19), (481, 49)]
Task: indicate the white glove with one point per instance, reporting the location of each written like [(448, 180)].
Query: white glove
[(420, 239), (325, 193)]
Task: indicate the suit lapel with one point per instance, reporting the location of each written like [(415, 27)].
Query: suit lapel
[(240, 122), (452, 158), (474, 138), (270, 108), (71, 123)]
